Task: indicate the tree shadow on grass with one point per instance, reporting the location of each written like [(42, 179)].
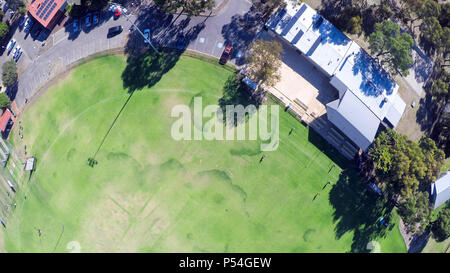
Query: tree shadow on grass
[(236, 93), (143, 70), (358, 210)]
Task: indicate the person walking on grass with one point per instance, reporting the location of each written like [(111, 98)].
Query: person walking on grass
[(262, 158), (292, 129)]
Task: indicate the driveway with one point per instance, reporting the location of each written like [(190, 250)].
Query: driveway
[(235, 24)]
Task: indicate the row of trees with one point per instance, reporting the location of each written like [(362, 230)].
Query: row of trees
[(188, 7), (405, 170)]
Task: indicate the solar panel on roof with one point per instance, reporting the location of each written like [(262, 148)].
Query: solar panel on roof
[(49, 11), (41, 7)]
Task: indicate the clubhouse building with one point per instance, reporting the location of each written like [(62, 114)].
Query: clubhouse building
[(363, 98), (47, 12)]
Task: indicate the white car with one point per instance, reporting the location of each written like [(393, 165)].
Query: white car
[(17, 49), (10, 45), (19, 53), (146, 35)]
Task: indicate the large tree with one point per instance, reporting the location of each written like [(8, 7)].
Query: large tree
[(15, 4), (392, 47), (264, 62), (441, 226), (4, 100), (404, 166), (9, 73), (4, 29), (416, 211), (188, 7)]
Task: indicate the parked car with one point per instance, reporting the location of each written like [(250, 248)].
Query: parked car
[(114, 31), (95, 18), (76, 25), (17, 55), (10, 45), (16, 50), (23, 20), (28, 24), (87, 20), (180, 43), (146, 35), (225, 55), (117, 13)]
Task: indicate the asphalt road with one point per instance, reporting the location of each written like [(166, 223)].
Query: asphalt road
[(236, 24)]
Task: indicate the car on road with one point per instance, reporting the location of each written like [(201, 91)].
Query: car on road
[(113, 31), (10, 45), (180, 43), (87, 20), (146, 35), (95, 18), (226, 55), (76, 25)]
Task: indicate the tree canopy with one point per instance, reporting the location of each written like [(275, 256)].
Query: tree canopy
[(392, 47), (4, 29), (441, 226), (188, 7), (9, 73), (4, 100), (416, 211), (264, 62), (405, 166)]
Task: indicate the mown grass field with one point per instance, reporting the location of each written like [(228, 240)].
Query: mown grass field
[(149, 193)]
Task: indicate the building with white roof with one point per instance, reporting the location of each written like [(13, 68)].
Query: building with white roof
[(368, 96), (440, 190)]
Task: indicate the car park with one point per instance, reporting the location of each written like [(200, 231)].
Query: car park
[(75, 25), (113, 31), (225, 55), (87, 20), (146, 35)]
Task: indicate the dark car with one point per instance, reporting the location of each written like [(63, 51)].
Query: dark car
[(88, 20), (225, 55), (114, 31), (180, 43), (95, 18)]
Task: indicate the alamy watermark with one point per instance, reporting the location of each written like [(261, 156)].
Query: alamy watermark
[(262, 123)]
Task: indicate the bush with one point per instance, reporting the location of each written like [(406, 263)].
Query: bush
[(4, 29), (441, 227), (9, 73), (69, 8), (355, 25), (4, 100)]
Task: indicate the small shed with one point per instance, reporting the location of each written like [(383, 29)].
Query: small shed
[(29, 165), (440, 190)]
